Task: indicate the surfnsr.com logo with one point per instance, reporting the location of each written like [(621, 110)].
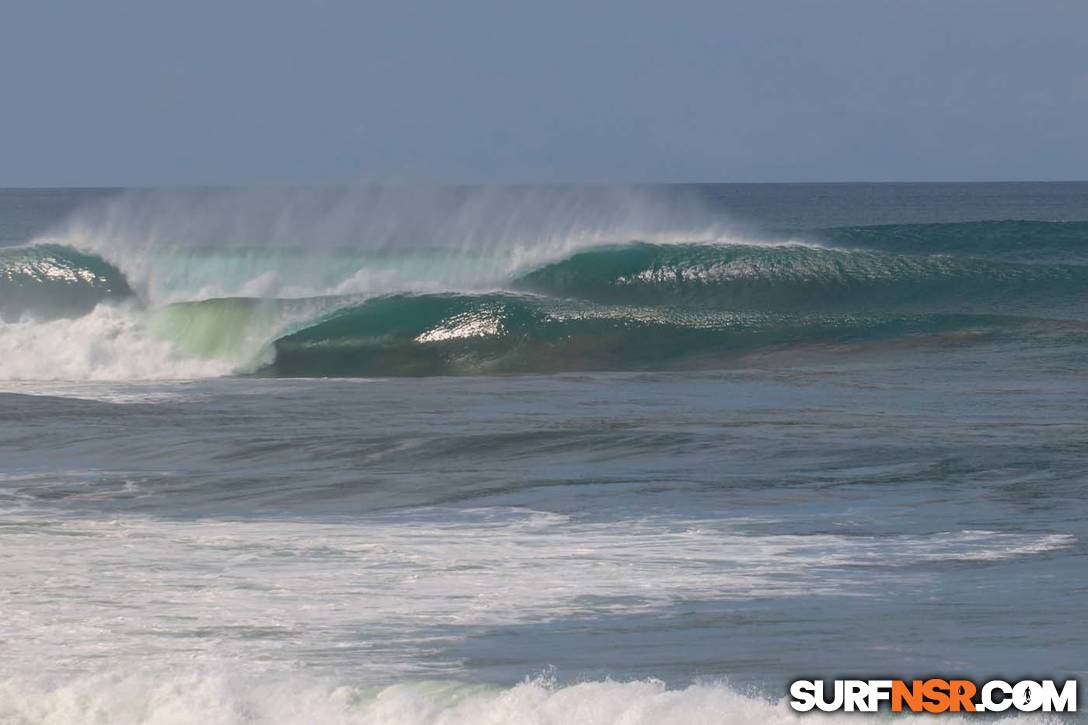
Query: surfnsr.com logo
[(933, 695)]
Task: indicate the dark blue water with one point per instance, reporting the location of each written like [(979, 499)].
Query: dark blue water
[(649, 453)]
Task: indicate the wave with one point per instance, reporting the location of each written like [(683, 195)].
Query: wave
[(796, 278), (223, 699), (1010, 239), (444, 311), (58, 281), (112, 342), (455, 334), (182, 274), (236, 329), (55, 281), (179, 245)]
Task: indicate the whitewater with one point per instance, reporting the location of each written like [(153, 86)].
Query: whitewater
[(561, 286), (534, 454)]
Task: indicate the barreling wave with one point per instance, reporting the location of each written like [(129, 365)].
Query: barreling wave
[(450, 311), (236, 329), (52, 281), (452, 334)]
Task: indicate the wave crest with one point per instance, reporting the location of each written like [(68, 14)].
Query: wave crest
[(803, 278), (443, 311), (54, 281)]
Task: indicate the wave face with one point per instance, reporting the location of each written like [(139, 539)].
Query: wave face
[(504, 333), (51, 281), (803, 278), (476, 283)]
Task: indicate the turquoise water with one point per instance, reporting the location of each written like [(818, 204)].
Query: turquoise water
[(564, 454)]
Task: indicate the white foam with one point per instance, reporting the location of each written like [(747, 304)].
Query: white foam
[(221, 699), (183, 246), (120, 590), (110, 343)]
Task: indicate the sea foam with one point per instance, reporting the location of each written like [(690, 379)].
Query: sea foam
[(211, 698)]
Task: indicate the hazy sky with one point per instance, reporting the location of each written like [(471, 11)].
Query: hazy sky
[(196, 91)]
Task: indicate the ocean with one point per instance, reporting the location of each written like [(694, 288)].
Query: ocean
[(535, 454)]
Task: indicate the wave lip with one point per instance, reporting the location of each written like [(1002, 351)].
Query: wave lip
[(795, 278), (50, 281)]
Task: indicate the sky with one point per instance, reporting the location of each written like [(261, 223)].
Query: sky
[(140, 92)]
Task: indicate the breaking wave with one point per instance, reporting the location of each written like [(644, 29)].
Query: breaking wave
[(506, 333), (221, 699), (547, 303), (55, 281)]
